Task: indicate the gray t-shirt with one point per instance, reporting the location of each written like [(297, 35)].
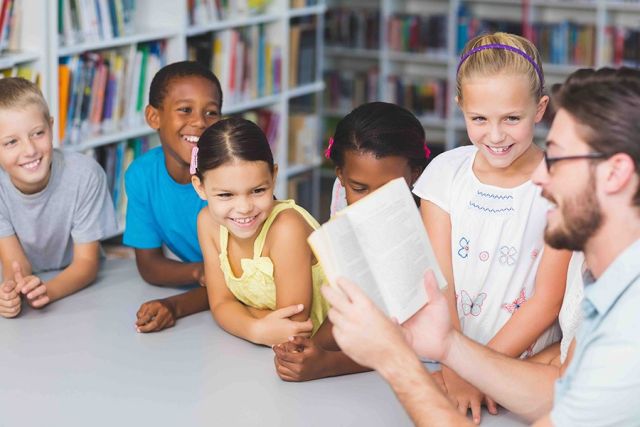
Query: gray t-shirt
[(75, 207)]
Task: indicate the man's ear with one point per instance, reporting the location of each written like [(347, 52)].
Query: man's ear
[(543, 104), (620, 174), (152, 117), (197, 185)]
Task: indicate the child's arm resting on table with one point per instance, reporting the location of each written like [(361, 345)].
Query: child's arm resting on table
[(292, 258), (10, 251), (156, 269), (231, 314), (77, 275), (160, 314), (305, 359)]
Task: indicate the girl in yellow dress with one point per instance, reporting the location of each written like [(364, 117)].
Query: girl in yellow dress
[(262, 279)]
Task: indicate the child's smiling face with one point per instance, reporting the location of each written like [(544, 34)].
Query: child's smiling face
[(363, 173), (26, 147), (240, 195), (500, 114), (191, 104)]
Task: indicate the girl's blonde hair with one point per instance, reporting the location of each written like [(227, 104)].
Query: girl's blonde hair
[(496, 60)]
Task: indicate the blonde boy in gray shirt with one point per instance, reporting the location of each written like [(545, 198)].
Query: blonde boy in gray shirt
[(54, 206)]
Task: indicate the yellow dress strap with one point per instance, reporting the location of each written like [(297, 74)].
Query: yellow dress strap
[(280, 206), (224, 240)]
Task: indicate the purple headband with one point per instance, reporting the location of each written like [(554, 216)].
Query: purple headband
[(505, 47)]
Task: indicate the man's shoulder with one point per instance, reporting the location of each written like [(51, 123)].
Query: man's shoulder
[(625, 309)]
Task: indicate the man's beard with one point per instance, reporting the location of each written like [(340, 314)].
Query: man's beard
[(581, 218)]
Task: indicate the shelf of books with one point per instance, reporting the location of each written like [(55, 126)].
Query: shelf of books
[(390, 51), (406, 51), (265, 60), (96, 59), (21, 52)]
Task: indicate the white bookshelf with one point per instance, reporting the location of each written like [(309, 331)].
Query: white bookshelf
[(450, 129), (167, 20)]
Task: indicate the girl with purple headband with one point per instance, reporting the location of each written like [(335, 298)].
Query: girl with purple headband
[(486, 219)]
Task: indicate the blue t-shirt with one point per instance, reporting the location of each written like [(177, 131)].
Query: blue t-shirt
[(160, 210)]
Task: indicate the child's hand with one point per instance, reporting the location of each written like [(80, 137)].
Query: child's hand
[(198, 275), (155, 316), (299, 359), (34, 289), (277, 327), (464, 395), (10, 303)]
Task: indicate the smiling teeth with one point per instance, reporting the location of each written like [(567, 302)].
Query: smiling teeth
[(500, 149), (244, 220), (31, 165), (191, 138)]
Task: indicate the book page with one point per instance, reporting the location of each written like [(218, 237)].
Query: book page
[(390, 232), (340, 254)]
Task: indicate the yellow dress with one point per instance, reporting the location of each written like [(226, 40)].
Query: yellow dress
[(256, 286)]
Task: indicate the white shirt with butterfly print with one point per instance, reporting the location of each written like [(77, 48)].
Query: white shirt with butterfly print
[(496, 242)]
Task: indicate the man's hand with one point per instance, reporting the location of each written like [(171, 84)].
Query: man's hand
[(361, 330), (429, 331)]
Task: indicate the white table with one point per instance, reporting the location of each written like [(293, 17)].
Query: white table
[(80, 362)]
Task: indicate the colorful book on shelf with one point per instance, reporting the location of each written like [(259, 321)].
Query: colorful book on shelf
[(302, 52), (303, 144), (294, 50), (5, 23), (357, 28), (98, 90), (247, 61), (104, 19), (144, 60), (115, 159), (108, 89), (64, 82)]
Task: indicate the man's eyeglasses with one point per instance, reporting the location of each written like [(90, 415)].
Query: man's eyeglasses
[(550, 161)]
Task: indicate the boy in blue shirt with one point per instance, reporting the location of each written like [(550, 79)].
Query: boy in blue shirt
[(184, 99)]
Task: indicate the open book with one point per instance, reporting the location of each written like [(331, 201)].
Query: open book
[(380, 244)]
